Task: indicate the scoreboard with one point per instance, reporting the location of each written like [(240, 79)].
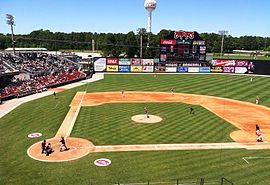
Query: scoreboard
[(182, 46)]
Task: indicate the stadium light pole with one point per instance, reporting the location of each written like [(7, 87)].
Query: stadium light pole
[(222, 33), (141, 31), (11, 22)]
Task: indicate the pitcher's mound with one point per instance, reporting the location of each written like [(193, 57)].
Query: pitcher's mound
[(141, 118)]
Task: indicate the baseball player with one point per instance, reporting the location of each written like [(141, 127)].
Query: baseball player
[(123, 93), (63, 144), (43, 146), (257, 100), (257, 127), (259, 136), (146, 112), (192, 110), (172, 92)]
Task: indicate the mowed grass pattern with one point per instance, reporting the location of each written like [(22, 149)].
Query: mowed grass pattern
[(237, 87), (45, 115), (111, 124)]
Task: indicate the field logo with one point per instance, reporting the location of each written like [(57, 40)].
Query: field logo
[(102, 162), (34, 135)]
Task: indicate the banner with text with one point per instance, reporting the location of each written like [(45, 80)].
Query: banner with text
[(136, 69), (112, 68)]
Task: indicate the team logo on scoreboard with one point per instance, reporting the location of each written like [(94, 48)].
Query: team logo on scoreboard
[(184, 35)]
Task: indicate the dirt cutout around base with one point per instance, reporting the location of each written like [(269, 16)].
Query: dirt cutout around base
[(78, 148), (142, 118)]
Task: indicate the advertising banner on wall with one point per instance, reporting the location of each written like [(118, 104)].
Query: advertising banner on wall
[(159, 69), (124, 68), (100, 64), (241, 70), (228, 69), (112, 68), (136, 69), (112, 61), (242, 63), (182, 69), (171, 69), (156, 61), (135, 61), (230, 63), (147, 62), (216, 69), (147, 69), (205, 70), (193, 69), (124, 61)]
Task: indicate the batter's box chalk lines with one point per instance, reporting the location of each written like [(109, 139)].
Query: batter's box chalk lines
[(249, 158)]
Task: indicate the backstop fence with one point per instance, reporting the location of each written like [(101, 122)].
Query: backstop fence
[(179, 181)]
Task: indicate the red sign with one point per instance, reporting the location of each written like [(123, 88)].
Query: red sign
[(168, 42), (112, 61), (184, 35)]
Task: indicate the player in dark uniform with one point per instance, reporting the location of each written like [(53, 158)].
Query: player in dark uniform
[(43, 146), (63, 144), (192, 110), (49, 149)]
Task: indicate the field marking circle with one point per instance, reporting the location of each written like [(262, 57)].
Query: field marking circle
[(34, 135), (102, 162)]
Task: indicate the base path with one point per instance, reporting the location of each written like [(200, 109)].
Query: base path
[(243, 115)]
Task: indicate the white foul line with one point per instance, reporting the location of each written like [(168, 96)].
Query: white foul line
[(245, 158)]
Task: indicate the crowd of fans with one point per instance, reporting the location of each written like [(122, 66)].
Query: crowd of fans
[(44, 71)]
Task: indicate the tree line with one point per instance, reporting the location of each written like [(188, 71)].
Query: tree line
[(115, 44)]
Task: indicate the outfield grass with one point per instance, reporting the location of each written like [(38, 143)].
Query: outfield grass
[(45, 115)]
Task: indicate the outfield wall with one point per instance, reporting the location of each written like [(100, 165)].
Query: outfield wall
[(136, 65)]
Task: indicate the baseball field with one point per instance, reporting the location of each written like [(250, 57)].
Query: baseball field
[(217, 141)]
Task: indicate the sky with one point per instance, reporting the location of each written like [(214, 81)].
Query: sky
[(239, 17)]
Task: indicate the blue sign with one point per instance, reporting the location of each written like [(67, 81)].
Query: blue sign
[(182, 69), (205, 70), (124, 69)]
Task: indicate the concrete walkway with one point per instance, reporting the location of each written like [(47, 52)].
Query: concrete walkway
[(10, 105)]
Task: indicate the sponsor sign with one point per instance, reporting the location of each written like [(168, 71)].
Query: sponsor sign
[(242, 63), (135, 61), (168, 42), (193, 69), (136, 69), (184, 35), (100, 64), (147, 62), (112, 68), (198, 42), (228, 69), (171, 69), (147, 69), (156, 60), (223, 63), (34, 135), (182, 69), (205, 70), (124, 61), (183, 41), (216, 69), (112, 61), (171, 65), (124, 68), (102, 162), (202, 49), (163, 57), (190, 64), (159, 69), (241, 70)]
